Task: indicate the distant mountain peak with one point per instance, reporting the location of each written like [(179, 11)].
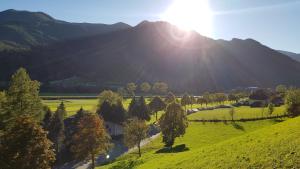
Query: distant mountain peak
[(12, 15)]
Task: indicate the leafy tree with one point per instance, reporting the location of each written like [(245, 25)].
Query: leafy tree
[(170, 98), (132, 107), (270, 108), (232, 97), (22, 96), (173, 123), (157, 104), (201, 101), (56, 131), (122, 92), (109, 96), (25, 146), (160, 87), (260, 94), (281, 89), (185, 100), (232, 113), (131, 87), (206, 97), (112, 112), (192, 101), (91, 138), (135, 131), (145, 87), (292, 101)]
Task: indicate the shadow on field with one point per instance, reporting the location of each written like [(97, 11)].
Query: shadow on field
[(238, 126), (130, 164), (277, 120), (176, 149)]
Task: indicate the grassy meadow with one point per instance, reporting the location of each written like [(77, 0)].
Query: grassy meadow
[(218, 145)]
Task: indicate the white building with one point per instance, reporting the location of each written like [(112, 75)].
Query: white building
[(113, 129)]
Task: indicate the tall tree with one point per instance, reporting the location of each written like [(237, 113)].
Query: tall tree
[(61, 110), (91, 138), (185, 100), (270, 108), (156, 105), (113, 112), (292, 101), (2, 109), (170, 98), (173, 123), (56, 131), (160, 87), (131, 87), (135, 131), (192, 101), (232, 113), (25, 146), (109, 96), (46, 123), (145, 87), (23, 96), (281, 89), (139, 109)]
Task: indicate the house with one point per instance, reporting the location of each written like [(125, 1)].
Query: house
[(113, 129)]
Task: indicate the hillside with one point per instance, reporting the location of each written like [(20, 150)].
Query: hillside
[(24, 29), (252, 145), (294, 56), (155, 51)]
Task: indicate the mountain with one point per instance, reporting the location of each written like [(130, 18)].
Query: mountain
[(294, 56), (154, 51), (24, 29)]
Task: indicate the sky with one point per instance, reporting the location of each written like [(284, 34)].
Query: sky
[(275, 23)]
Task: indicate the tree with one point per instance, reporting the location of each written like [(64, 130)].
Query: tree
[(112, 112), (91, 138), (109, 96), (135, 131), (270, 108), (206, 97), (145, 87), (292, 101), (157, 104), (2, 109), (232, 113), (232, 97), (25, 146), (160, 87), (192, 101), (281, 89), (201, 101), (173, 123), (56, 131), (185, 100), (61, 110), (131, 87), (46, 123), (170, 98), (22, 97)]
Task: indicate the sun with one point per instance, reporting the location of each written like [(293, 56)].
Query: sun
[(190, 15)]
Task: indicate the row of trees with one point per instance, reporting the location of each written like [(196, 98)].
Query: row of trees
[(145, 87), (32, 136)]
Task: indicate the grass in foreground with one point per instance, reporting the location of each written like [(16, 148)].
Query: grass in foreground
[(218, 146)]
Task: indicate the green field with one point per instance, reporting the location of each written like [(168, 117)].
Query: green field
[(260, 144), (242, 112)]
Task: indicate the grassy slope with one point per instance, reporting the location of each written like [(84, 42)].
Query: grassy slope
[(241, 112), (224, 146)]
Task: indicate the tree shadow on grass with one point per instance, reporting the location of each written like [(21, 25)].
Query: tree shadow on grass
[(176, 149), (277, 120), (128, 164), (237, 126)]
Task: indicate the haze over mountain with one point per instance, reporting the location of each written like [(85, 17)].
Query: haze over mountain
[(23, 29), (152, 51)]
